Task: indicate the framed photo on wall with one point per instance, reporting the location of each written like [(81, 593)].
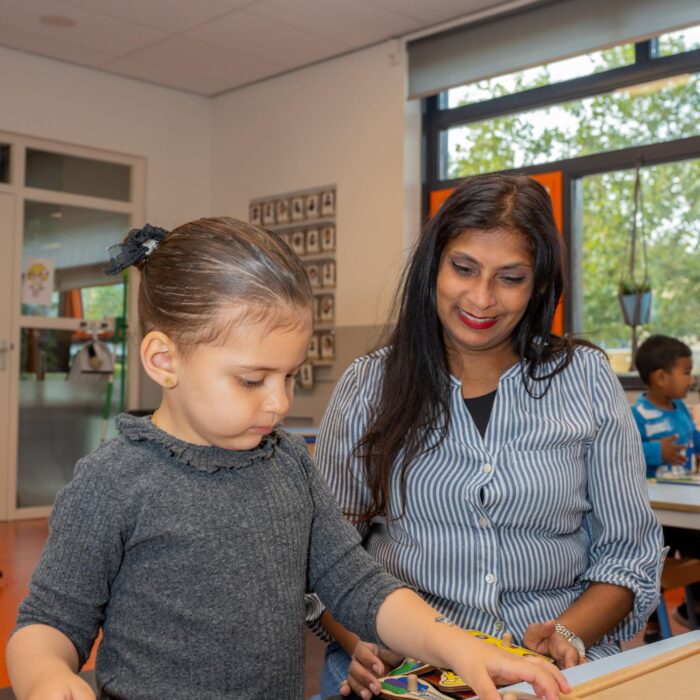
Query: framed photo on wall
[(297, 208), (327, 312), (328, 238), (328, 203), (298, 242), (328, 274), (313, 353), (268, 215), (255, 214), (327, 341), (312, 272), (282, 211), (313, 243), (306, 376), (311, 206)]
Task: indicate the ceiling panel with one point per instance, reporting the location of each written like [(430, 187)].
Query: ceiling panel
[(167, 77), (209, 46), (354, 22), (50, 46), (267, 40), (196, 58), (90, 30), (434, 12), (165, 15)]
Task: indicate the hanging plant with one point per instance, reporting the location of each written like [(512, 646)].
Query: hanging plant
[(634, 291)]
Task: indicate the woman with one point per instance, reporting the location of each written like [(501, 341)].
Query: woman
[(490, 464)]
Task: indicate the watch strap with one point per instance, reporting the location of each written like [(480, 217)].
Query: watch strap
[(572, 638)]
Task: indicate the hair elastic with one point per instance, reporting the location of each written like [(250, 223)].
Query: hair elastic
[(138, 245)]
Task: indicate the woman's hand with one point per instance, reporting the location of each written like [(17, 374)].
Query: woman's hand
[(369, 663), (543, 638)]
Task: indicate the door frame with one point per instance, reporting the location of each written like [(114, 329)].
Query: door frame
[(135, 207)]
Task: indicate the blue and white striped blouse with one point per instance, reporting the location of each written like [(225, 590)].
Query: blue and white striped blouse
[(510, 529)]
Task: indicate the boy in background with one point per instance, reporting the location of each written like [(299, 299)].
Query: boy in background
[(669, 438)]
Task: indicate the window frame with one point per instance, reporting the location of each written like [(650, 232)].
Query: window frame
[(646, 68)]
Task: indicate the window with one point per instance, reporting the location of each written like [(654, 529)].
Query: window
[(653, 112), (64, 173), (679, 42), (548, 74), (671, 215), (76, 240)]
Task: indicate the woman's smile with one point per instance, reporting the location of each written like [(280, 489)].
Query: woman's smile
[(478, 323)]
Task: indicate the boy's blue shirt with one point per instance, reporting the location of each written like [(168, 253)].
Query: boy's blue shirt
[(655, 423)]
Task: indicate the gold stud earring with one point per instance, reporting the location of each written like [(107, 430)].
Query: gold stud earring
[(168, 382)]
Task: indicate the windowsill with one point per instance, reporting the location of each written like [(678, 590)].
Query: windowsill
[(631, 382)]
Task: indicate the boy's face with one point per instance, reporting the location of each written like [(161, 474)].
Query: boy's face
[(677, 381)]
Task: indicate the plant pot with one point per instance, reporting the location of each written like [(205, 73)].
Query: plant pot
[(636, 307)]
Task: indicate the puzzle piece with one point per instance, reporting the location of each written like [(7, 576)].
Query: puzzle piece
[(411, 666), (507, 644), (451, 682), (400, 687)]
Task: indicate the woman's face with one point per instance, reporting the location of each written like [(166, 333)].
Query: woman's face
[(484, 284)]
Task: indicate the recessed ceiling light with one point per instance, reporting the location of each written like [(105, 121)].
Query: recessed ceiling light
[(58, 214), (57, 21)]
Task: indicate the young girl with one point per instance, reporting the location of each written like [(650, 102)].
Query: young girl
[(191, 539)]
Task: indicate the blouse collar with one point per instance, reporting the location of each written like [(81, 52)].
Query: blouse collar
[(202, 457)]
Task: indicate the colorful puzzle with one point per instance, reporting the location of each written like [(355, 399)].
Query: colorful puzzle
[(403, 681)]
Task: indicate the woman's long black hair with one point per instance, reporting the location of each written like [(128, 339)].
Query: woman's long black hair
[(415, 390)]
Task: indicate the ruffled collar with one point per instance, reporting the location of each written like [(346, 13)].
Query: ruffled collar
[(201, 457)]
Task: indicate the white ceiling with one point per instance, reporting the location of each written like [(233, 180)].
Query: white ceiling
[(210, 46)]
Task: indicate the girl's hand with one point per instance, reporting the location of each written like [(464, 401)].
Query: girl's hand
[(369, 663), (543, 638), (64, 686), (483, 665)]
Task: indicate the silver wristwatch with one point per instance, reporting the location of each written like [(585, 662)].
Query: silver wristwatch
[(573, 639)]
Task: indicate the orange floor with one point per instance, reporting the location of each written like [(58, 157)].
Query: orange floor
[(21, 543)]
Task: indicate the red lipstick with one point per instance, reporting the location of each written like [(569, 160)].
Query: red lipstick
[(476, 323)]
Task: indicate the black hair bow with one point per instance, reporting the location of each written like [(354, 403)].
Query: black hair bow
[(139, 243)]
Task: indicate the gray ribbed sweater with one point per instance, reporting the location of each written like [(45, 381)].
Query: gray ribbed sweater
[(194, 561)]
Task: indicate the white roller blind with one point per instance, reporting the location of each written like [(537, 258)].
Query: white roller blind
[(538, 35)]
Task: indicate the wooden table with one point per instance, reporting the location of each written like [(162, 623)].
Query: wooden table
[(676, 505), (595, 669)]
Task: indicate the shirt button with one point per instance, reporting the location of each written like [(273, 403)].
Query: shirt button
[(487, 468), (490, 578), (499, 625), (483, 521)]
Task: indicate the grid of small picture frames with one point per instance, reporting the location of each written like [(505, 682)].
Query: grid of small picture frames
[(306, 223)]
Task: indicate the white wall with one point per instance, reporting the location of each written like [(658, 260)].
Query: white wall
[(341, 122), (170, 129), (49, 99)]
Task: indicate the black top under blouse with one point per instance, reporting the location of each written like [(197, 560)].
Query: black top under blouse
[(480, 409)]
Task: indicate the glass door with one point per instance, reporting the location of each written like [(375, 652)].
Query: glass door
[(67, 370)]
